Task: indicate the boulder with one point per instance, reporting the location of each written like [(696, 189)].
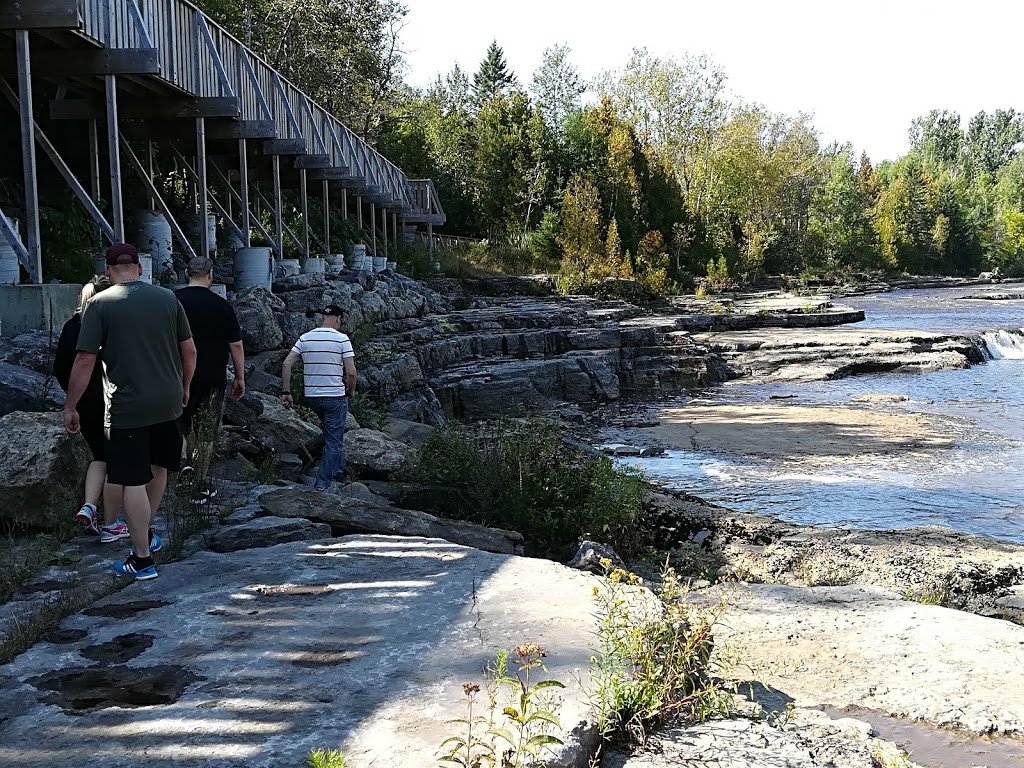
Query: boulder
[(374, 453), (293, 325), (267, 532), (408, 432), (24, 390), (255, 311), (282, 429), (33, 350), (350, 514), (244, 412), (589, 557), (41, 469)]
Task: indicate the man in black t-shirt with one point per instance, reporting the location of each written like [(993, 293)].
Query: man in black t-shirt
[(216, 333)]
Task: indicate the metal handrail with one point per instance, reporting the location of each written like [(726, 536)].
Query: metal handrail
[(203, 59)]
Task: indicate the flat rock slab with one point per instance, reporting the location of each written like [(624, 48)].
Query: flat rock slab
[(865, 647), (794, 430), (359, 515), (254, 658), (267, 532), (810, 739)]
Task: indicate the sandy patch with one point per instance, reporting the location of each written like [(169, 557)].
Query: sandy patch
[(781, 430)]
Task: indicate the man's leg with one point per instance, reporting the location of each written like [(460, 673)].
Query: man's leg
[(333, 421), (128, 465), (155, 490), (137, 512)]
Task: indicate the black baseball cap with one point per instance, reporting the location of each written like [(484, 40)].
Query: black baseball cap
[(330, 309)]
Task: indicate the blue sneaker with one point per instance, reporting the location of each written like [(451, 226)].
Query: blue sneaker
[(155, 542), (132, 566)]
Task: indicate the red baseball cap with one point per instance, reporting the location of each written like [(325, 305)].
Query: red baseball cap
[(122, 253)]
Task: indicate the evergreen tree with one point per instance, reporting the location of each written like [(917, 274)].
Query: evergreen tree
[(493, 78)]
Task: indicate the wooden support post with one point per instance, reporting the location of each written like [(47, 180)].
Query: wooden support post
[(327, 218), (359, 215), (94, 160), (304, 204), (202, 191), (394, 231), (430, 238), (243, 170), (28, 158), (344, 204), (114, 154), (384, 230), (151, 169), (373, 228), (278, 220)]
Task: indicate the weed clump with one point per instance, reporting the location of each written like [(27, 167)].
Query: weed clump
[(523, 476), (654, 658)]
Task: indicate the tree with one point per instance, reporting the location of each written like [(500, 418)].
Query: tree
[(556, 88), (677, 110), (839, 232), (493, 78), (345, 55)]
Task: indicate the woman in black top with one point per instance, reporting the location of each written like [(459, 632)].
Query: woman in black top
[(90, 409)]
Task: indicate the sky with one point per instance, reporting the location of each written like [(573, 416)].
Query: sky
[(863, 69)]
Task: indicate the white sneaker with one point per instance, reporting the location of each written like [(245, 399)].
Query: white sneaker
[(87, 517)]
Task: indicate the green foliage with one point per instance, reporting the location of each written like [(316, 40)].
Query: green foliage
[(326, 758), (493, 78), (346, 56), (528, 725), (366, 412), (654, 661), (71, 241), (525, 477)]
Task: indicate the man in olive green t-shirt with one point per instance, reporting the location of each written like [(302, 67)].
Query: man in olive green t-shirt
[(148, 360)]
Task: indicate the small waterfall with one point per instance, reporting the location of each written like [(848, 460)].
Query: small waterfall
[(1004, 345)]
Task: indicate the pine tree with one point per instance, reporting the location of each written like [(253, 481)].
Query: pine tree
[(493, 78)]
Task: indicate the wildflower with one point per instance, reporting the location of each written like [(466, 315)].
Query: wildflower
[(596, 591), (606, 563), (470, 689), (526, 650)]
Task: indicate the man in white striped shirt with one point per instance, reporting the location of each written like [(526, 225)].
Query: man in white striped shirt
[(329, 377)]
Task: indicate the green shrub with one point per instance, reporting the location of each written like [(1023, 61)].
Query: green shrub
[(654, 659), (525, 477), (366, 412)]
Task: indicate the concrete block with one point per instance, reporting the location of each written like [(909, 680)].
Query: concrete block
[(36, 307)]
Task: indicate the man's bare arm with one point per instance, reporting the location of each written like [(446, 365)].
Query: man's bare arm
[(350, 376), (286, 376), (187, 350), (238, 360)]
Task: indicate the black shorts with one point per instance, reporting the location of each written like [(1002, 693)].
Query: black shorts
[(130, 452), (91, 423), (203, 397)]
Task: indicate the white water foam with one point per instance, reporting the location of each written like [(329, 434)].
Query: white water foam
[(1004, 345)]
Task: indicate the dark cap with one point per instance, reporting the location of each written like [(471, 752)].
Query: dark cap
[(200, 266), (122, 253), (330, 309)]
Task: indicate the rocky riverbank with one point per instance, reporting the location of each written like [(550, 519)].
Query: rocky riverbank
[(408, 605)]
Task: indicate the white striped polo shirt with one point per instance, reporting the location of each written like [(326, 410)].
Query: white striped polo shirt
[(323, 352)]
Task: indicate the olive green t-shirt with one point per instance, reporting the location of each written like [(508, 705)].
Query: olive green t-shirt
[(138, 327)]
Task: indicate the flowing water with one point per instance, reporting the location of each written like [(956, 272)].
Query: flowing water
[(977, 486)]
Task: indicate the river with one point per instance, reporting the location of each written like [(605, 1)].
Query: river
[(977, 486)]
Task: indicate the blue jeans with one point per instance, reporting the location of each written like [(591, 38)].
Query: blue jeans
[(332, 412)]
